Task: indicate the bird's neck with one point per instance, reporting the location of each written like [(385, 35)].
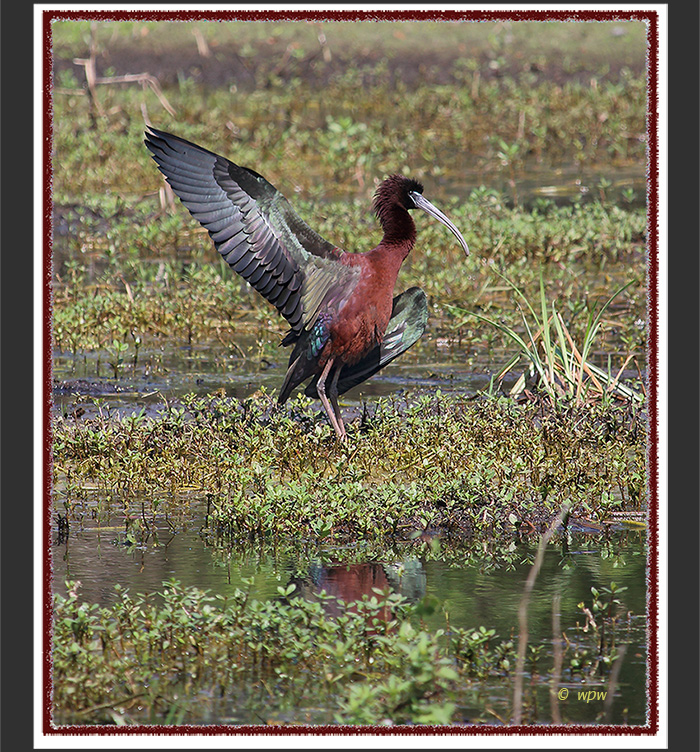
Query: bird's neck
[(399, 230), (386, 259)]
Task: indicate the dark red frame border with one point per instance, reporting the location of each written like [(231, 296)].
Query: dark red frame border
[(652, 20)]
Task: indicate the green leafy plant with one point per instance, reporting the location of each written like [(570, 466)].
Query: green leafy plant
[(116, 352)]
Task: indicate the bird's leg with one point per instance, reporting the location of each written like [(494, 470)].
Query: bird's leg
[(335, 420), (333, 396)]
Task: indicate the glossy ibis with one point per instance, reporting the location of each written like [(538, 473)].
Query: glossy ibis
[(344, 324)]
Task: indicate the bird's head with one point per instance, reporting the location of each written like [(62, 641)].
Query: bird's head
[(407, 193)]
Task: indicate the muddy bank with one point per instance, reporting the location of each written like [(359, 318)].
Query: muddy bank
[(250, 59)]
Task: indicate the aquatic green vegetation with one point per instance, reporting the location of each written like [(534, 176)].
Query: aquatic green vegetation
[(282, 96), (333, 144), (487, 466), (558, 364), (183, 655), (124, 285)]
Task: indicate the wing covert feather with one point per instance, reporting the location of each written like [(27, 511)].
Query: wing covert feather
[(255, 229)]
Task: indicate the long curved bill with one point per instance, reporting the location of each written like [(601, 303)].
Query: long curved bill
[(422, 203)]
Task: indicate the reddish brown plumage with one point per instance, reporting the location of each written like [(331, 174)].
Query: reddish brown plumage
[(358, 318), (365, 314)]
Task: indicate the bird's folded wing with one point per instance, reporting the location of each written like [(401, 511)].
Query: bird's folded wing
[(254, 228)]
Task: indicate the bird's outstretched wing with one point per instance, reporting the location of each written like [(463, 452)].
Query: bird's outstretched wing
[(255, 229), (409, 317)]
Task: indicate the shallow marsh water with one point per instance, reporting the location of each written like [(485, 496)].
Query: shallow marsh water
[(166, 374), (170, 374), (100, 554)]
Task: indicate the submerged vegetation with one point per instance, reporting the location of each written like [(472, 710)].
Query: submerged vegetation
[(463, 478)]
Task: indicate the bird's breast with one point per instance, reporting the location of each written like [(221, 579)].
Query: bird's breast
[(360, 326), (361, 320)]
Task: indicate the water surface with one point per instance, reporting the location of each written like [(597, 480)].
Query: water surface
[(100, 553)]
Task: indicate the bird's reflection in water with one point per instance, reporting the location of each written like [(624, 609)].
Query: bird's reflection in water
[(348, 583)]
